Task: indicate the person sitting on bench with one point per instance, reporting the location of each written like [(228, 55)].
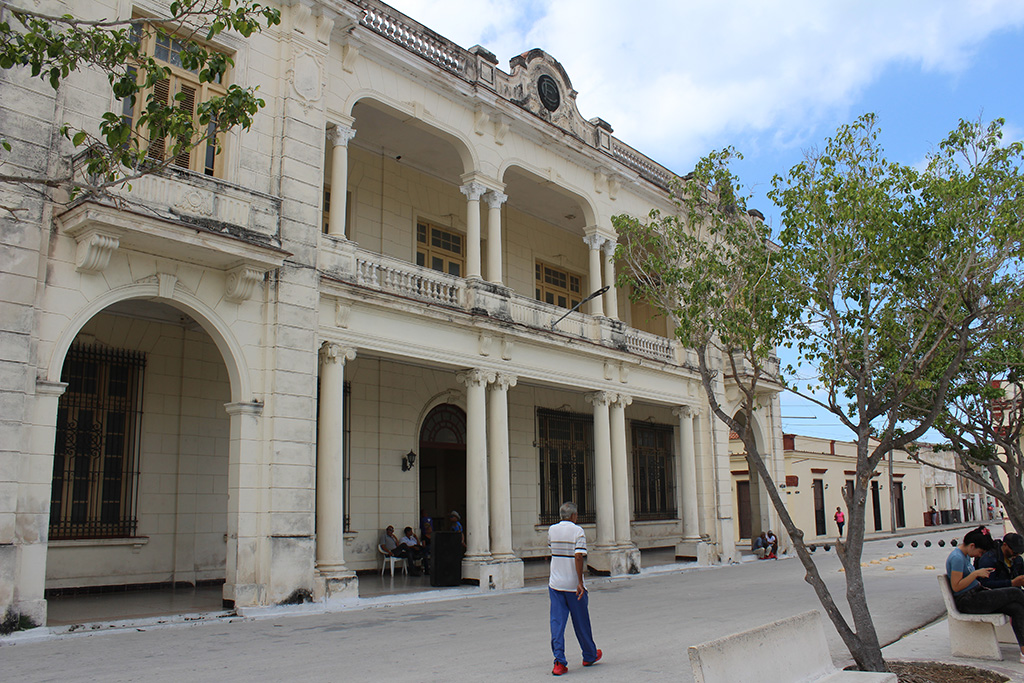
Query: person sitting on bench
[(1006, 563), (973, 598)]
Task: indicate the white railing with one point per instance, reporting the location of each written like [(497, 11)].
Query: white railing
[(656, 173), (405, 279), (650, 345), (425, 43), (533, 313)]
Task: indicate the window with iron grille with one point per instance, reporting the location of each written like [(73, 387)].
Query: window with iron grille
[(566, 444), (654, 491), (96, 452)]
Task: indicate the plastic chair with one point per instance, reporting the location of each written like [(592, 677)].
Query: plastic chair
[(393, 559)]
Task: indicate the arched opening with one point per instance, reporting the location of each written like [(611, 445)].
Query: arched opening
[(547, 222), (443, 462), (753, 507), (139, 491)]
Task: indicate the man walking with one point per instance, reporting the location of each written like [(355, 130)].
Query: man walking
[(568, 546)]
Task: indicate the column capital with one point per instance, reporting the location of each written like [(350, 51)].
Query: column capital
[(495, 199), (254, 408), (503, 381), (473, 190), (594, 240), (339, 134), (609, 246), (623, 400), (332, 353), (600, 398), (47, 388), (684, 411), (475, 377)]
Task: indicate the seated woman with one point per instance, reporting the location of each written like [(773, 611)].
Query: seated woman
[(973, 598)]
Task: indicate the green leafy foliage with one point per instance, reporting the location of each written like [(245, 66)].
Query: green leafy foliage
[(891, 283), (52, 48)]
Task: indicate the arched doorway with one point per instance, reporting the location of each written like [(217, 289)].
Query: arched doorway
[(139, 492), (443, 462), (753, 507)]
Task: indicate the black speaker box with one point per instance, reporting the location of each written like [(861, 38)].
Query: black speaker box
[(446, 558)]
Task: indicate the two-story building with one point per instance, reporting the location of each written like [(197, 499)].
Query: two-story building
[(244, 368)]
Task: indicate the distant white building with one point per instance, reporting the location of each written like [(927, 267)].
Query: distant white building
[(251, 364)]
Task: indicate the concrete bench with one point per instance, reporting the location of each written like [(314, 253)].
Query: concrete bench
[(973, 635), (785, 651)]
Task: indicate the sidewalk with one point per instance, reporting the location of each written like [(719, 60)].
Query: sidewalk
[(644, 624), (931, 644)]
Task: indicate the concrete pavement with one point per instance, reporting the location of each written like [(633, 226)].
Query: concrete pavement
[(643, 623)]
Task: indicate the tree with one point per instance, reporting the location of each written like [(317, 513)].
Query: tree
[(876, 290), (52, 48), (978, 186)]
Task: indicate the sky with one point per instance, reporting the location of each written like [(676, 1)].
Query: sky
[(677, 79)]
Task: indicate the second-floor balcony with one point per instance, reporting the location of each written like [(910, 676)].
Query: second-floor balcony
[(348, 263)]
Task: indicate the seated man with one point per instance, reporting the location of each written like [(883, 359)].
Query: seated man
[(773, 545), (760, 546), (1005, 560), (413, 550), (392, 546)]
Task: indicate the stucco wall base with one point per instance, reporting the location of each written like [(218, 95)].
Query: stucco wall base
[(33, 610), (337, 588), (695, 548), (494, 574), (8, 572), (615, 561)]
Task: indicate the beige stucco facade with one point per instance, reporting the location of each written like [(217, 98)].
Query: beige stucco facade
[(816, 470), (291, 361)]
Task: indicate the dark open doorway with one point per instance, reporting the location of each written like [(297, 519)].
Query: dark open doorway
[(443, 463)]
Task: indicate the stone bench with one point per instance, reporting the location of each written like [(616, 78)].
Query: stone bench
[(785, 651), (973, 635)]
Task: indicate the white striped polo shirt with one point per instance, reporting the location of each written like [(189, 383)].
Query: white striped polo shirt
[(565, 540)]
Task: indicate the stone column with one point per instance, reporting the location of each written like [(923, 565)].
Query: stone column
[(498, 468), (473, 192), (594, 242), (25, 522), (611, 297), (620, 475), (476, 520), (245, 575), (688, 467), (330, 474), (339, 136), (603, 468), (494, 201)]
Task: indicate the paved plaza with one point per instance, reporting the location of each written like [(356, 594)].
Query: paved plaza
[(643, 623)]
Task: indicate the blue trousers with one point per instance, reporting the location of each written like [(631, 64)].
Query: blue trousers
[(563, 604)]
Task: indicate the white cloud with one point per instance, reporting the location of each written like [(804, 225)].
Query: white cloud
[(678, 77)]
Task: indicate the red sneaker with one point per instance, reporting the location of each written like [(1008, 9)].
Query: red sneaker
[(596, 660), (559, 669)]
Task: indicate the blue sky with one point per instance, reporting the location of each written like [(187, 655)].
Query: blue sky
[(678, 78)]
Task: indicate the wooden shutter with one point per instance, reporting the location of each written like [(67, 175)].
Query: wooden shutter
[(187, 103), (161, 93)]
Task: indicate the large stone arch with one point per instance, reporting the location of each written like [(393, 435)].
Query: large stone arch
[(456, 137), (242, 413), (231, 350), (541, 176)]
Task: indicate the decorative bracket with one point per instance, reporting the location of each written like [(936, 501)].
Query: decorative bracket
[(240, 283), (95, 248)]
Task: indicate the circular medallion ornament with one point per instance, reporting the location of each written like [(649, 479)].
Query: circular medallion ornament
[(548, 91)]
